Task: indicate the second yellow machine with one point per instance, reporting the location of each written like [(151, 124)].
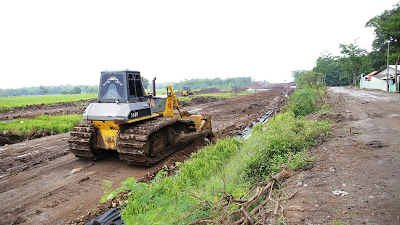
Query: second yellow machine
[(142, 128)]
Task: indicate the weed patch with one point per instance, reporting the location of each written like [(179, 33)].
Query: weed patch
[(56, 124), (230, 166), (270, 146)]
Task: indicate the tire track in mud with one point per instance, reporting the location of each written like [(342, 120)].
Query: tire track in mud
[(41, 182)]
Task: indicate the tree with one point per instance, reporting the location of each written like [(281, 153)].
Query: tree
[(308, 97), (333, 70), (351, 59), (76, 90), (43, 90), (386, 28), (145, 83)]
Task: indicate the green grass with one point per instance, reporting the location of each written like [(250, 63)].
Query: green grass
[(57, 124), (9, 102), (230, 166)]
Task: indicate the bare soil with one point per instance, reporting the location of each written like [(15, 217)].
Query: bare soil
[(361, 161), (8, 137), (41, 182)]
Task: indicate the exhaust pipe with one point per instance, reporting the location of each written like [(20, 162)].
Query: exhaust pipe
[(154, 86)]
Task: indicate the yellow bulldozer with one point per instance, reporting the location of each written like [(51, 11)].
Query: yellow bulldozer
[(143, 129), (186, 91)]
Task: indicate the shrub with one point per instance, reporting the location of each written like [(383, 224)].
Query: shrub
[(270, 146)]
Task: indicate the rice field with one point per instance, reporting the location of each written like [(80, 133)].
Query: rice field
[(57, 124), (10, 102)]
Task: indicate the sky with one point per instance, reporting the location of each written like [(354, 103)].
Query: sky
[(70, 42)]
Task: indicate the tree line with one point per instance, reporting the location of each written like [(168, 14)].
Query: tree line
[(213, 83), (49, 90), (353, 61), (202, 83), (78, 89)]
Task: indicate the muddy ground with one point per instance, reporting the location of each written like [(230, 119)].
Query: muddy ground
[(41, 182), (361, 161)]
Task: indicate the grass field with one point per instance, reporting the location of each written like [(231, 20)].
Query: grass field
[(10, 102), (57, 124)]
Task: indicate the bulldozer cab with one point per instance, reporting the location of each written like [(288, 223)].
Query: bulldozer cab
[(186, 88), (121, 86)]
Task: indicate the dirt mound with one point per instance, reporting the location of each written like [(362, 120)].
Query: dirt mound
[(336, 117), (258, 85), (208, 91), (8, 137), (199, 100)]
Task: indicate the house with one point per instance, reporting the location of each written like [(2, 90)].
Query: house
[(377, 79)]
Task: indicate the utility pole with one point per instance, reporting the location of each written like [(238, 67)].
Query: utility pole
[(395, 74), (387, 69)]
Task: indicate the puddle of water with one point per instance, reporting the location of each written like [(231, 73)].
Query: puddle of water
[(246, 133), (6, 121), (252, 89), (31, 153), (194, 110), (388, 116)]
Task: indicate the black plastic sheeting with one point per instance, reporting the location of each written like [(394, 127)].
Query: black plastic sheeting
[(247, 131), (112, 216)]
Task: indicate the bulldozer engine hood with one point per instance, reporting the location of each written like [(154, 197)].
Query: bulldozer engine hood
[(117, 111)]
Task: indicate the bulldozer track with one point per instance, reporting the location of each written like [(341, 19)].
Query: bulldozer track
[(81, 142), (148, 142), (144, 143)]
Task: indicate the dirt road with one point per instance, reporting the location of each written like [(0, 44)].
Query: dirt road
[(361, 161), (41, 182)]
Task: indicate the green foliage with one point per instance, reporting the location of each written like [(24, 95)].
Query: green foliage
[(303, 102), (43, 90), (230, 166), (48, 90), (168, 200), (269, 146), (331, 67), (386, 27), (353, 60), (57, 124), (308, 97), (109, 193), (213, 83), (342, 70), (10, 102), (145, 83)]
